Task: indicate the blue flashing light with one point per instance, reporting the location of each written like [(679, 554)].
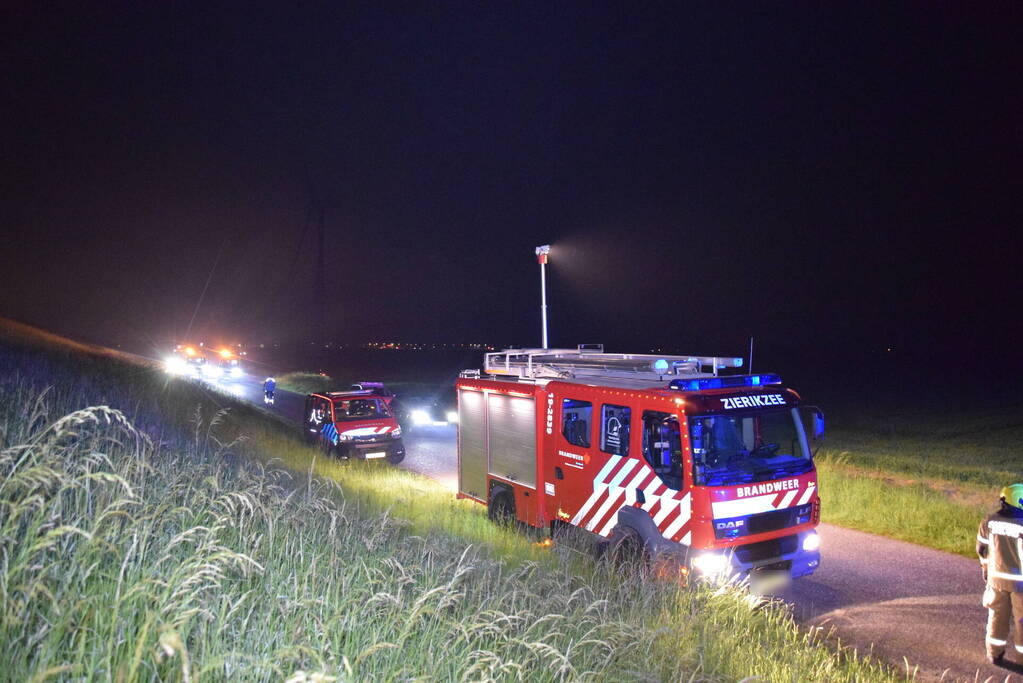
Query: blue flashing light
[(661, 365), (738, 362), (724, 382)]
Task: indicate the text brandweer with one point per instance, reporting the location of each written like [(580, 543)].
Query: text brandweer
[(769, 487)]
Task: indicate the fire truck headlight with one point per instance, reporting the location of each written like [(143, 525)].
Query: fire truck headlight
[(175, 365), (396, 433), (452, 417), (710, 563), (421, 417), (344, 437), (811, 542)]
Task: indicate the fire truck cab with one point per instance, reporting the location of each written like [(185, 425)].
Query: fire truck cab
[(354, 424), (660, 456)]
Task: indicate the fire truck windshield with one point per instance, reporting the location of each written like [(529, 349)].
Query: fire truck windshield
[(747, 447), (359, 409)]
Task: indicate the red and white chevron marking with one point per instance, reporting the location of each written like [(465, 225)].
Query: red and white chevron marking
[(368, 431), (765, 503), (615, 487)]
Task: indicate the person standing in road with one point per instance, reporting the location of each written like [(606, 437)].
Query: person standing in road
[(1000, 545)]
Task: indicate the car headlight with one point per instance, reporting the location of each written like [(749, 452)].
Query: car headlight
[(421, 417), (212, 371), (452, 417), (711, 563), (396, 433), (175, 365), (811, 542), (236, 371)]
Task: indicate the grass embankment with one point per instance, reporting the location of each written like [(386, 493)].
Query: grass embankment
[(157, 544), (302, 382), (922, 476)]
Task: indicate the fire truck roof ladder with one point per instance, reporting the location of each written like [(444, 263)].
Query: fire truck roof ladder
[(583, 362)]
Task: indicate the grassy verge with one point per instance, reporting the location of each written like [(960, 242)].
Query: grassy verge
[(922, 476), (302, 382), (154, 535)]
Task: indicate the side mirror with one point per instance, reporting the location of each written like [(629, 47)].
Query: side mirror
[(813, 420)]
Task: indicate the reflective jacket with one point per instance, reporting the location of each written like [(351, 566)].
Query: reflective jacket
[(1000, 546)]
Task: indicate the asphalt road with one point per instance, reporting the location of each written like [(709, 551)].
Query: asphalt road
[(896, 599)]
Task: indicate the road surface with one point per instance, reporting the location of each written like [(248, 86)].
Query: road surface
[(895, 598)]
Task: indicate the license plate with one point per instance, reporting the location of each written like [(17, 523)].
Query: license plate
[(375, 454)]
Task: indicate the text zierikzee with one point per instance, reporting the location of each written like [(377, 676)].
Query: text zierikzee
[(753, 401)]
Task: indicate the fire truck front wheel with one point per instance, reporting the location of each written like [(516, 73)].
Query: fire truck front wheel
[(626, 549), (396, 454)]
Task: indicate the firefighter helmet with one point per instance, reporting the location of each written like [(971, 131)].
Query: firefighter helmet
[(1013, 495)]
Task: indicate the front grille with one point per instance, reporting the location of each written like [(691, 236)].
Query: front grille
[(371, 438), (771, 521), (776, 547), (762, 523)]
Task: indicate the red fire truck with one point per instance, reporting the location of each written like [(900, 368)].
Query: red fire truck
[(662, 457), (354, 424)]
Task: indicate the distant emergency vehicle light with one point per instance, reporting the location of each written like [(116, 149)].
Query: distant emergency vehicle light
[(724, 382)]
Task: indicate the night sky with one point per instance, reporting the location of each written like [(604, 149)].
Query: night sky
[(816, 176)]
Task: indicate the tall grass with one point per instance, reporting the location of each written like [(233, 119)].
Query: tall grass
[(303, 382), (134, 549), (925, 475), (921, 512)]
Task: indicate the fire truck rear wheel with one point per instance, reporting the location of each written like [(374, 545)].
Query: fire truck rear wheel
[(501, 508), (627, 549)]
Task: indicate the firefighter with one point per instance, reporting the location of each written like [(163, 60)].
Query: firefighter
[(268, 390), (998, 545)]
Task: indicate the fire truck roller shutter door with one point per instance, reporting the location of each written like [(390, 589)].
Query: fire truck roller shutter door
[(472, 457), (512, 438)]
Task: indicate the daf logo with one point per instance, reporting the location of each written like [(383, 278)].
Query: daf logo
[(734, 524)]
